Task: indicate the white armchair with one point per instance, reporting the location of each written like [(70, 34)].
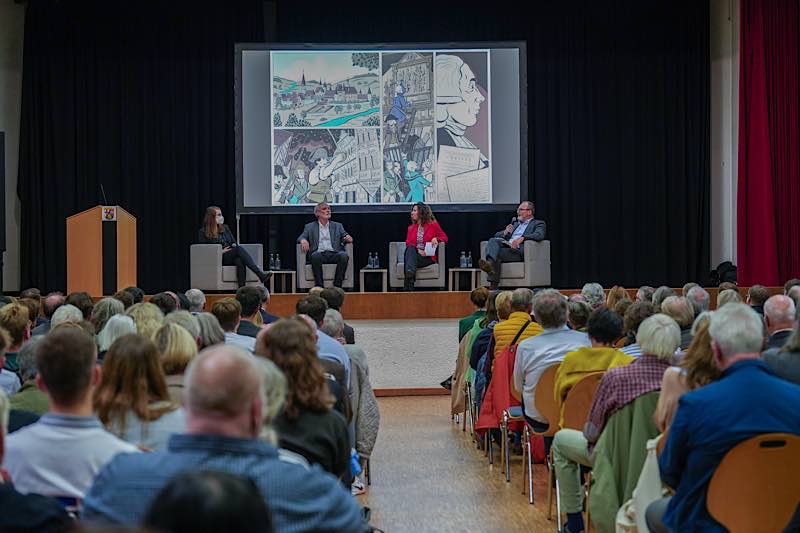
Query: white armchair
[(305, 275), (430, 276), (533, 271), (207, 272)]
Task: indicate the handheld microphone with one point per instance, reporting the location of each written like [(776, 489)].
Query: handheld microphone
[(513, 220), (105, 200)]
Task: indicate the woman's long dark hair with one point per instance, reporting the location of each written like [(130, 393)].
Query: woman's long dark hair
[(210, 227), (424, 213)]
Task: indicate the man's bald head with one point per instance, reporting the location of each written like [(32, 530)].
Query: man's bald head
[(779, 313), (222, 382)]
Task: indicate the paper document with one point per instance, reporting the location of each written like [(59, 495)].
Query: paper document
[(430, 249)]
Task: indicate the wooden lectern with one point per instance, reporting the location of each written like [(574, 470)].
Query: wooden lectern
[(101, 250)]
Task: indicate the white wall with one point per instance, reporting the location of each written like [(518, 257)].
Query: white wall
[(12, 17), (724, 128)]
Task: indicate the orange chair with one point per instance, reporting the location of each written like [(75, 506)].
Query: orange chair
[(756, 487)]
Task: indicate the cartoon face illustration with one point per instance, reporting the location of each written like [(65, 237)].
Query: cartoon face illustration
[(458, 95)]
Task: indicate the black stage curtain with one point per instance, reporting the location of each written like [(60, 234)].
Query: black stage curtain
[(618, 99), (138, 97)]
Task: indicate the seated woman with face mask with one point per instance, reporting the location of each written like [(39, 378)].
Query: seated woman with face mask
[(215, 231)]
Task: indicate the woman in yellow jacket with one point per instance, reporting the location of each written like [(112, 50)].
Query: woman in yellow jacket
[(517, 306)]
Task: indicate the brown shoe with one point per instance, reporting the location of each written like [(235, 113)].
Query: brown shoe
[(486, 266)]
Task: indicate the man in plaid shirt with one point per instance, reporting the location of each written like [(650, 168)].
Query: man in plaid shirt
[(659, 336)]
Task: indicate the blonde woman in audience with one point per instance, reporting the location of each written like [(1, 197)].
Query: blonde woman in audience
[(177, 348), (14, 318), (211, 332), (148, 318), (132, 400), (308, 425), (116, 327), (187, 321), (273, 397), (728, 296), (697, 368), (105, 309), (615, 294)]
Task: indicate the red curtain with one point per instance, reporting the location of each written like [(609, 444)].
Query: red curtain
[(768, 213)]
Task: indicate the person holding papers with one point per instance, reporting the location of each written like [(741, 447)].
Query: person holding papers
[(506, 245), (422, 240)]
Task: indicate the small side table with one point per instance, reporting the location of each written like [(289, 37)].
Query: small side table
[(473, 278), (382, 271), (283, 273)]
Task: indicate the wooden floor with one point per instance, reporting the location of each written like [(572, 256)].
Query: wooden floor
[(428, 476)]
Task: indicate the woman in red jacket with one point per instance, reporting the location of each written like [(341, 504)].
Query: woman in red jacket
[(423, 230)]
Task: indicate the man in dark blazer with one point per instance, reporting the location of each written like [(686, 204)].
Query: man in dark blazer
[(250, 300), (506, 245), (323, 241), (779, 315)]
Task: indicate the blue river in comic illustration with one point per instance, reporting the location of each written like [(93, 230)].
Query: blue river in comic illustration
[(343, 120)]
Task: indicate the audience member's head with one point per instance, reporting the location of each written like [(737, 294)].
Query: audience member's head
[(105, 309), (333, 324), (5, 343), (132, 380), (183, 302), (177, 348), (578, 314), (250, 300), (615, 294), (728, 296), (222, 393), (522, 300), (207, 502), (66, 314), (334, 297), (82, 301), (263, 294), (124, 297), (52, 301), (593, 294), (635, 315), (26, 359), (659, 335), (137, 293), (14, 318), (622, 306), (728, 285), (211, 332), (698, 361), (678, 309), (116, 327), (736, 332), (147, 317), (229, 312), (273, 397), (794, 282), (289, 344), (315, 291), (779, 313), (32, 293), (687, 287), (197, 300), (757, 295), (313, 306), (699, 298), (645, 293), (503, 305), (794, 294), (550, 309), (479, 296), (66, 361), (491, 309), (699, 320), (164, 301), (33, 306), (661, 294), (604, 326), (186, 320)]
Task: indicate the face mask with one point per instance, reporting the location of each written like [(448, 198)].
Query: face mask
[(220, 220)]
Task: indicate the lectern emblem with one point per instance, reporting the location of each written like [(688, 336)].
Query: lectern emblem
[(109, 213)]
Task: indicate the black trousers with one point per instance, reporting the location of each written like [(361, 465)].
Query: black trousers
[(412, 261), (239, 257), (317, 259), (497, 254)]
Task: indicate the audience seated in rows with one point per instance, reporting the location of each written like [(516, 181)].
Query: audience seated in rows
[(536, 354), (746, 401), (308, 425), (29, 398), (61, 453), (224, 402), (659, 337), (679, 309), (197, 300), (334, 297), (51, 302), (604, 328), (631, 320), (478, 298), (327, 347), (229, 313), (518, 325), (132, 399), (177, 348), (250, 301)]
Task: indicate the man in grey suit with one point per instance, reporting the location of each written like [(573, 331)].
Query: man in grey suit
[(323, 241), (506, 245)]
